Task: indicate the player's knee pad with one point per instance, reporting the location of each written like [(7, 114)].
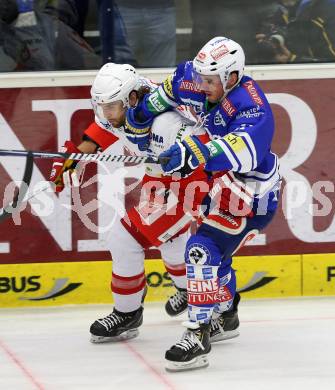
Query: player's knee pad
[(202, 250), (173, 251), (127, 253)]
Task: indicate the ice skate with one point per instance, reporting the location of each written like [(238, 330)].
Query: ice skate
[(117, 326), (177, 303), (191, 351), (225, 326)]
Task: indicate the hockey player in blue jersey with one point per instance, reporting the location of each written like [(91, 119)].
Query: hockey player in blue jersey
[(239, 121)]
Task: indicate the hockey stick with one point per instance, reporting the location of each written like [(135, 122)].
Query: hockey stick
[(86, 157), (20, 194)]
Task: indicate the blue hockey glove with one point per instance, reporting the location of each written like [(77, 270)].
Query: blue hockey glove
[(137, 133), (25, 6), (184, 157)]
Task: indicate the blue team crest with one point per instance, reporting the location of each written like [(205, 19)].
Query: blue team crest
[(198, 254), (218, 119)]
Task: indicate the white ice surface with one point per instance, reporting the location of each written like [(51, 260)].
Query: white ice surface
[(284, 344)]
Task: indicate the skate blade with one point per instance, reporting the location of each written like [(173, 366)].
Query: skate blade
[(129, 334), (198, 362), (225, 336)]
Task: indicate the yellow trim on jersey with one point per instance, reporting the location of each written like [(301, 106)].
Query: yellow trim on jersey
[(195, 149), (136, 130), (235, 142), (167, 86)]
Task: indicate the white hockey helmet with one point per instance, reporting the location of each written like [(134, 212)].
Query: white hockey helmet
[(220, 56), (114, 82)]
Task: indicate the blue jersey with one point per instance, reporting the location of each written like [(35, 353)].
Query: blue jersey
[(240, 127)]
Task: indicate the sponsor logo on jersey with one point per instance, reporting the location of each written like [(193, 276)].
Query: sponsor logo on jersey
[(157, 138), (250, 113), (251, 89), (180, 133), (228, 108), (219, 52), (189, 86), (156, 102)]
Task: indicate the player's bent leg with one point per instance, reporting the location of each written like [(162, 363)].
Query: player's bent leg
[(128, 278), (224, 321), (173, 258), (229, 233), (161, 232)]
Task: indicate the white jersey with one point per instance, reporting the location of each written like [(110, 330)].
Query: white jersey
[(167, 129), (120, 132)]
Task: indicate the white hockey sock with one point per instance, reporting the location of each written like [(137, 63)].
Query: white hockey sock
[(179, 281), (127, 303)]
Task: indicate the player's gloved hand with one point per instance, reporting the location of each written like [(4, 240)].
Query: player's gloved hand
[(137, 132), (184, 157), (25, 6), (63, 173)]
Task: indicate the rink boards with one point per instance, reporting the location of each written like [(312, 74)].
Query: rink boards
[(52, 259), (64, 283)]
